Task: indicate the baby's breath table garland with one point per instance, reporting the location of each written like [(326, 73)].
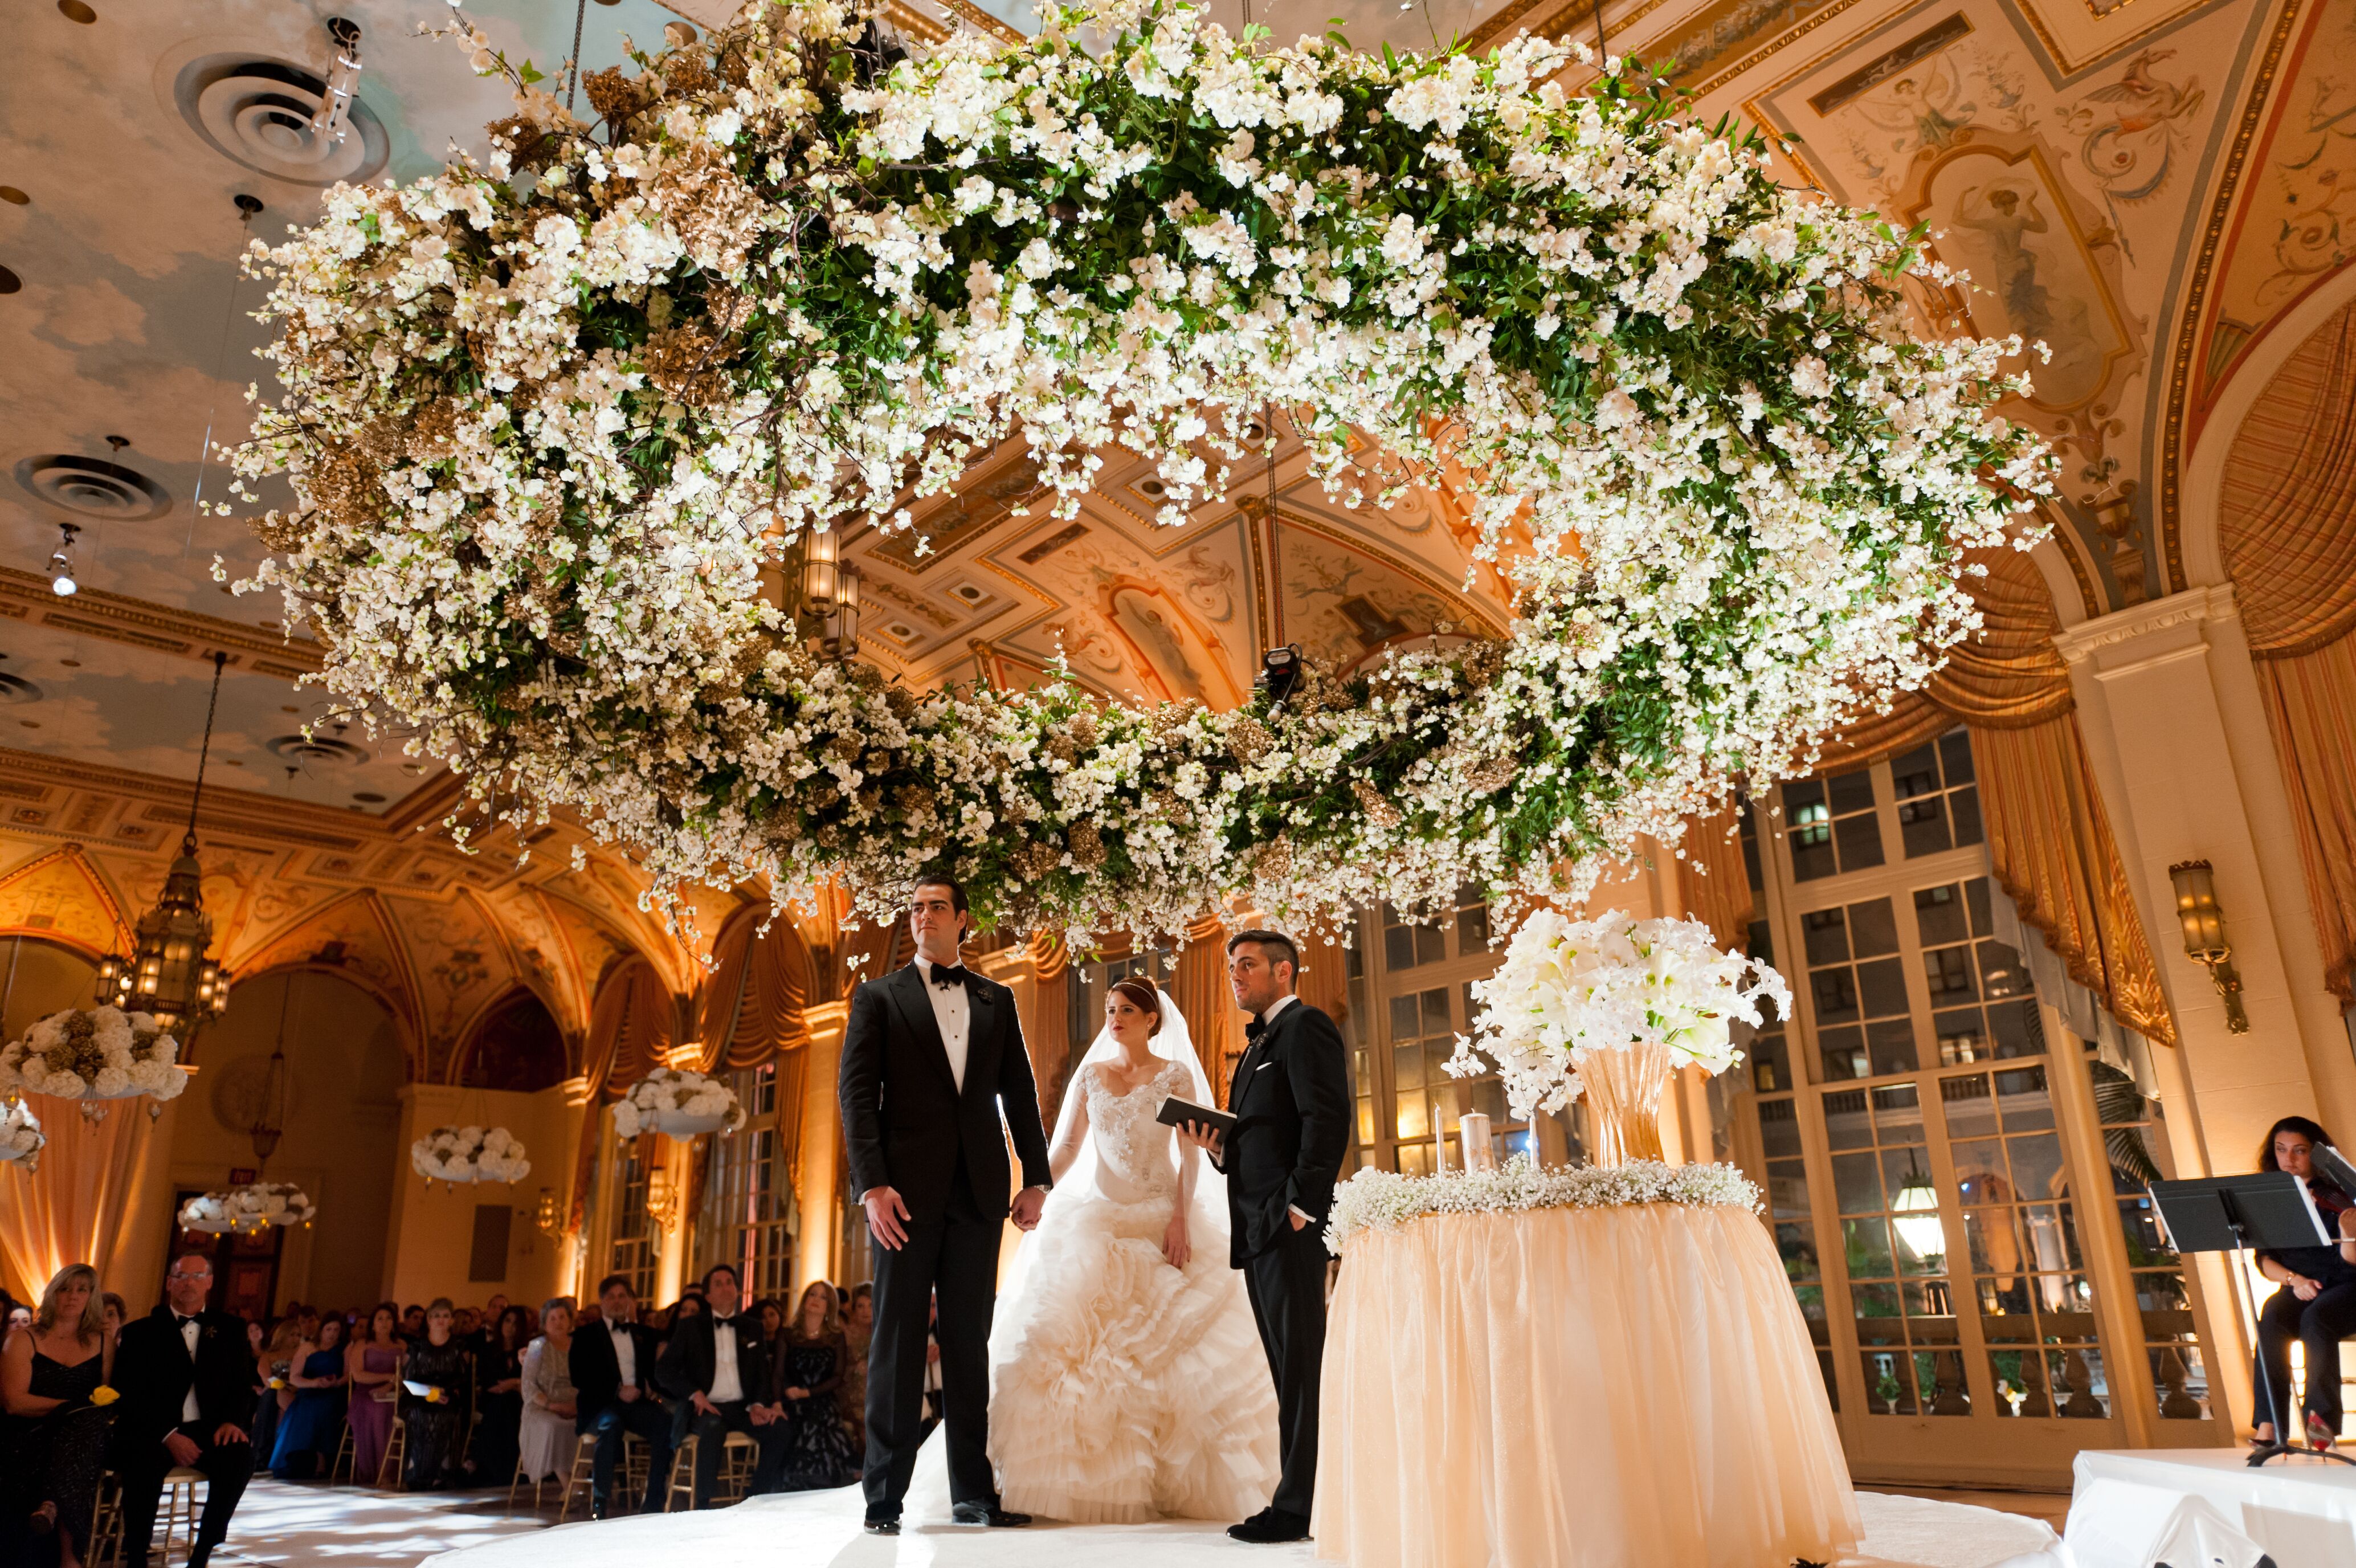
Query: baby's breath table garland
[(547, 416), (1384, 1200)]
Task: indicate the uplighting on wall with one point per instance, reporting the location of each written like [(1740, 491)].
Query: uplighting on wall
[(2203, 920)]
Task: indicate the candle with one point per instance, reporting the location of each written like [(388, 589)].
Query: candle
[(1478, 1153)]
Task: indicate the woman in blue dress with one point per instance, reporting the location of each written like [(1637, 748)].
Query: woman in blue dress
[(312, 1425)]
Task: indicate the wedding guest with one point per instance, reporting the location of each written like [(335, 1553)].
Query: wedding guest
[(2317, 1303), (55, 1436), (115, 1315), (858, 1334), (716, 1367), (413, 1323), (810, 1356), (613, 1364), (188, 1385), (498, 1398), (772, 1316), (437, 1364), (550, 1402), (19, 1316), (310, 1428), (495, 1309), (272, 1370), (373, 1365)]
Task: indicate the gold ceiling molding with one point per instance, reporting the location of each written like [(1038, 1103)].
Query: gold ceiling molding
[(117, 618), (974, 16)]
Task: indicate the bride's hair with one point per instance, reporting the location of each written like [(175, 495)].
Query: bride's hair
[(1143, 997)]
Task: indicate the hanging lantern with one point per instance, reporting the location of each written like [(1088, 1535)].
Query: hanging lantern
[(1915, 1213)]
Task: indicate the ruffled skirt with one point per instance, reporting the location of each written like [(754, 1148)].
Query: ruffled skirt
[(1124, 1389)]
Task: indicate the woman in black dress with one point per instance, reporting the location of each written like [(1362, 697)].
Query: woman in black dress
[(499, 1399), (56, 1446), (440, 1367), (812, 1356), (2316, 1304)]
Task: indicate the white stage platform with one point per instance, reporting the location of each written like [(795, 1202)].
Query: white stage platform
[(821, 1530), (2302, 1511)]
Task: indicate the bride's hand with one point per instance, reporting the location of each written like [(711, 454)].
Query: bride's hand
[(1173, 1242)]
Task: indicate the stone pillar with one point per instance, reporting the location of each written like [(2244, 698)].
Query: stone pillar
[(819, 1188)]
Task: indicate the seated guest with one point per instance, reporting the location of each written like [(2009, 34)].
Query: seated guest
[(810, 1358), (2316, 1304), (312, 1427), (116, 1314), (717, 1371), (55, 1438), (434, 1374), (273, 1370), (20, 1316), (498, 1398), (187, 1381), (548, 1404), (373, 1364), (412, 1323), (858, 1334), (771, 1316), (613, 1365)]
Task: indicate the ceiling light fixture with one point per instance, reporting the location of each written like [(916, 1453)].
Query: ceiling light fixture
[(334, 115), (61, 568)]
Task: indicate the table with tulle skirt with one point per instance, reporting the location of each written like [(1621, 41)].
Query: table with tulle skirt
[(1622, 1387)]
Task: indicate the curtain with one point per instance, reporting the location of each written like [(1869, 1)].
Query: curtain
[(753, 1006), (1047, 1021), (72, 1209), (1712, 881), (2288, 536), (1200, 989), (631, 1029)]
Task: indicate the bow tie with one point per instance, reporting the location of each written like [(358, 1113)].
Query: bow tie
[(1255, 1029), (180, 1322), (947, 975)]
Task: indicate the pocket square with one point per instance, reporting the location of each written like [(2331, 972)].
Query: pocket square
[(1263, 1067)]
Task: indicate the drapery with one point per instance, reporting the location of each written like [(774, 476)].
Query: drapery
[(1200, 988), (1047, 1021), (1712, 880), (631, 1025), (2287, 532), (72, 1209), (752, 1005)]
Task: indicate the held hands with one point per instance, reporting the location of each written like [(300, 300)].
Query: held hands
[(1174, 1245), (886, 1218), (1206, 1138), (1027, 1205), (760, 1414)]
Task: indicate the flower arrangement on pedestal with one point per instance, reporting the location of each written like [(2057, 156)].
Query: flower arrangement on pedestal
[(21, 1138), (1376, 1200), (550, 415), (94, 1055), (253, 1206), (469, 1154), (682, 1103), (1610, 1007)]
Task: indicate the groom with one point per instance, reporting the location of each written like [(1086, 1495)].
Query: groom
[(1291, 1097), (931, 1054)]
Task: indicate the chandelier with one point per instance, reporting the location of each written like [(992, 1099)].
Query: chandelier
[(167, 974)]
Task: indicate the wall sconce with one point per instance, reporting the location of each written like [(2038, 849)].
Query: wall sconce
[(546, 1216), (2203, 922), (821, 557), (662, 1198)]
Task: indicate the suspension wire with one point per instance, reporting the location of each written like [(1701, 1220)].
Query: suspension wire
[(579, 16)]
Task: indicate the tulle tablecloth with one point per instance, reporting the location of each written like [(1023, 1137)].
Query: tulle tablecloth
[(1627, 1387)]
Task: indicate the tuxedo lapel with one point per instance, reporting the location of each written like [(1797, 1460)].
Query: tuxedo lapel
[(906, 989), (981, 1039)]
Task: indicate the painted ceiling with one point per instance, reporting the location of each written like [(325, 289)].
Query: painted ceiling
[(2149, 188)]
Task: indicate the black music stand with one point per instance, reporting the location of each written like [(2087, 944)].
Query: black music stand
[(2272, 1209)]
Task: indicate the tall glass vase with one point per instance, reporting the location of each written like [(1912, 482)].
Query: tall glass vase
[(1623, 1101)]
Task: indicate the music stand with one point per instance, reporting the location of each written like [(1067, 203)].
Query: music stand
[(2271, 1210), (2333, 1166)]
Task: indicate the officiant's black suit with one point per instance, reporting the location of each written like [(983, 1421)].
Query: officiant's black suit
[(908, 1126), (1291, 1099)]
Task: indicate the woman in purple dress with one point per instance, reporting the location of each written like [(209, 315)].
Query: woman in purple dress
[(374, 1363)]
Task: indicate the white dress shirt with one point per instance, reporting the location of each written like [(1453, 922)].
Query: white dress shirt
[(626, 1352), (953, 1010), (189, 1409), (727, 1388), (1279, 1005)]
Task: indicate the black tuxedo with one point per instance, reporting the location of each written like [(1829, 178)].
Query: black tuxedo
[(908, 1126), (685, 1370), (155, 1372), (596, 1374), (1291, 1099)]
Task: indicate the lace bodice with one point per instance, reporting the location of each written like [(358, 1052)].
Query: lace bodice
[(1134, 1148)]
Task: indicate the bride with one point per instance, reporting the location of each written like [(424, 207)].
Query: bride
[(1126, 1376)]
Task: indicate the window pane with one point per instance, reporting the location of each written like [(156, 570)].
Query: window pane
[(1872, 928), (1881, 987), (1860, 838), (1824, 933), (1851, 792), (1916, 773), (1939, 916), (1889, 1043)]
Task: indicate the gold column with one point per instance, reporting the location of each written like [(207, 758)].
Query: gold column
[(818, 1186)]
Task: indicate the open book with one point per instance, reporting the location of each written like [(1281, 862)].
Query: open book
[(1177, 1112)]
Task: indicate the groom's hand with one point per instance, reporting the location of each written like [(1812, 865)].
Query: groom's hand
[(1027, 1205), (885, 1214)]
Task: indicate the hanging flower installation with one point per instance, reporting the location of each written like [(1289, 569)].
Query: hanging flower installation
[(469, 1154), (546, 416), (254, 1205), (683, 1104), (21, 1138), (94, 1055)]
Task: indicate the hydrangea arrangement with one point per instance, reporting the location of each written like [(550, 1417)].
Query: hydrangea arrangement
[(682, 1103), (550, 414), (95, 1054), (253, 1206), (1384, 1200), (1567, 988), (469, 1154), (21, 1138)]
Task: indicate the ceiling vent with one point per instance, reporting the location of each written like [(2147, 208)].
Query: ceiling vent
[(258, 112), (322, 748), (93, 487), (15, 689)]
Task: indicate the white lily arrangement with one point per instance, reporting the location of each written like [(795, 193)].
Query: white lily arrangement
[(252, 1206), (95, 1054), (680, 1102), (1567, 988), (469, 1154), (1384, 1200), (21, 1138), (550, 415)]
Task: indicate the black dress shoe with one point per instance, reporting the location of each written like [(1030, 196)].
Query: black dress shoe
[(989, 1514), (1270, 1527), (882, 1527)]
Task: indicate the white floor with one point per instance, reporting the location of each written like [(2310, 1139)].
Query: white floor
[(294, 1526)]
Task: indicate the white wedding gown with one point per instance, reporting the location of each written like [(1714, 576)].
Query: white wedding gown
[(1123, 1389)]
